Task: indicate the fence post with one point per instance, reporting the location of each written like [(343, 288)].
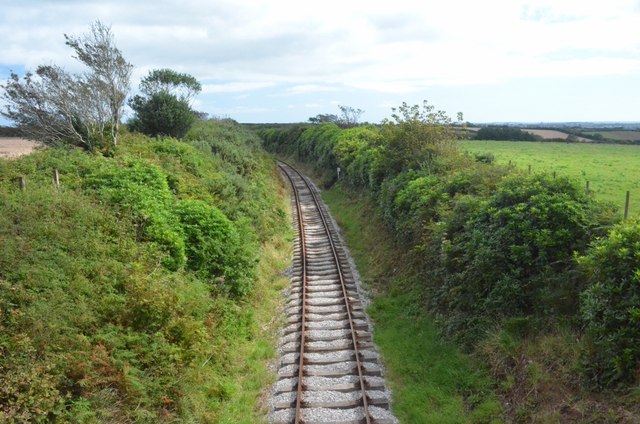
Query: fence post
[(587, 186), (56, 179), (23, 183), (626, 206), (554, 175)]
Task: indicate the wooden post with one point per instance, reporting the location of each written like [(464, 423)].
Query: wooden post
[(23, 183), (554, 175), (56, 179), (529, 169), (587, 186), (626, 206)]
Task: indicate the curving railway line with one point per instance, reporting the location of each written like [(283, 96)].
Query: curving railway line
[(329, 370)]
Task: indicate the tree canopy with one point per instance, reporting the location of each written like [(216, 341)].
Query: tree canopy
[(163, 107), (183, 86)]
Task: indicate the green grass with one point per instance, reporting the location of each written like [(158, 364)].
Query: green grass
[(611, 169), (431, 380)]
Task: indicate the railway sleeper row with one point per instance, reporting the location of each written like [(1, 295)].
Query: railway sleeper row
[(341, 378)]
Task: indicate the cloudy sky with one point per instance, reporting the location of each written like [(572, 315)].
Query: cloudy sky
[(285, 61)]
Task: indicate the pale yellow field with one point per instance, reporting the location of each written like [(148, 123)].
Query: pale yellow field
[(12, 147), (552, 134)]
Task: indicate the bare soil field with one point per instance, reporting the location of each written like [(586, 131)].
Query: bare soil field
[(552, 134), (12, 147)]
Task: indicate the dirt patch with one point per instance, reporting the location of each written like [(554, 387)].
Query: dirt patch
[(553, 134), (12, 147)]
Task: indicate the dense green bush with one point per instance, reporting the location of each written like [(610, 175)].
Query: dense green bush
[(418, 137), (85, 318), (611, 306), (513, 255), (142, 188), (215, 248)]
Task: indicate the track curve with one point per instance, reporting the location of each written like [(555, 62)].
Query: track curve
[(329, 370)]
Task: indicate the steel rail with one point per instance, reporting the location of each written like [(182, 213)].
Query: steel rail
[(365, 403), (303, 250)]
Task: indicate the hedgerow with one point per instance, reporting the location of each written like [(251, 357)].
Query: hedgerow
[(513, 256), (611, 306), (491, 247)]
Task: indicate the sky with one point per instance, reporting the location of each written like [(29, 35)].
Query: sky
[(286, 61)]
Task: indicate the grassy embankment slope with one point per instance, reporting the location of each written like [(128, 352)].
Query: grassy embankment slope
[(611, 169), (134, 292)]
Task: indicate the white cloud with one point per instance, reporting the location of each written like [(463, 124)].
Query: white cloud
[(310, 88), (234, 87), (403, 47)]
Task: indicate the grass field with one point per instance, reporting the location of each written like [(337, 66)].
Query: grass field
[(611, 169)]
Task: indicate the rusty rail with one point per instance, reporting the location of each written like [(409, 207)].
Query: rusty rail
[(359, 367)]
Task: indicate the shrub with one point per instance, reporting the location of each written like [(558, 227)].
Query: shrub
[(418, 137), (484, 157), (142, 188), (513, 256), (611, 306), (215, 247)]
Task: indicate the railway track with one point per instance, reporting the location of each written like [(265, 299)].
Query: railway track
[(329, 370)]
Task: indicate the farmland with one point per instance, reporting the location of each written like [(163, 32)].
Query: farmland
[(616, 135), (610, 169)]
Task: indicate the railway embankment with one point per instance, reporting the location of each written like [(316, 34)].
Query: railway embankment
[(140, 285)]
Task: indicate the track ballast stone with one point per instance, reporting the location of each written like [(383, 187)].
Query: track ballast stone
[(341, 380)]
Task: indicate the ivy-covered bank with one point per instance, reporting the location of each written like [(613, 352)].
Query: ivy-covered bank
[(142, 289), (527, 273)]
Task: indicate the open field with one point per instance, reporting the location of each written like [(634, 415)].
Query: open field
[(12, 147), (611, 169), (618, 135)]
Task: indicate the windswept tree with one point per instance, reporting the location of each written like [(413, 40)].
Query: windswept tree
[(324, 118), (163, 107), (109, 73), (349, 116), (56, 107)]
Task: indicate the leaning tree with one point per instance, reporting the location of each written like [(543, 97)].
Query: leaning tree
[(56, 107)]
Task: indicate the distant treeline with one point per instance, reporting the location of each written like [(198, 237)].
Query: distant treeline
[(505, 133), (9, 132)]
